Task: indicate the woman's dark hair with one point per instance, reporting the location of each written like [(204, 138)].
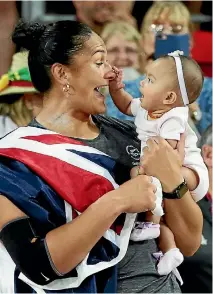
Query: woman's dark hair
[(48, 44)]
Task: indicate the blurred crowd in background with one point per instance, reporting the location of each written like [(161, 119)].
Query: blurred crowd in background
[(132, 32)]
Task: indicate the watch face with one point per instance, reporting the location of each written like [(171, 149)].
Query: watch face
[(182, 190), (178, 193)]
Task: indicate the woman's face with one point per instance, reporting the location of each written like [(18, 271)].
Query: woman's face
[(122, 53), (86, 77)]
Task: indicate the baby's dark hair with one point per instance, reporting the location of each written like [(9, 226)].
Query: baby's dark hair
[(49, 44), (192, 74)]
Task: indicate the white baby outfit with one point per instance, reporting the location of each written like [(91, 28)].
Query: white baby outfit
[(170, 126)]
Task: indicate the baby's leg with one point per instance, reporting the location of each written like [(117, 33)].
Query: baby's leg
[(150, 217), (150, 229), (166, 239), (172, 257)]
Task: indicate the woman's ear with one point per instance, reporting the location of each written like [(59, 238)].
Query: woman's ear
[(60, 73), (171, 98)]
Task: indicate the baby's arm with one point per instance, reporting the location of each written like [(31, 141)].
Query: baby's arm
[(170, 129), (190, 175), (121, 98), (194, 170), (194, 161)]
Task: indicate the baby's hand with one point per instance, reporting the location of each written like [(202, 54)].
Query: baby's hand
[(116, 83)]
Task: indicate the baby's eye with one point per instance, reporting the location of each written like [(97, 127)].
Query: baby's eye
[(149, 80), (99, 63)]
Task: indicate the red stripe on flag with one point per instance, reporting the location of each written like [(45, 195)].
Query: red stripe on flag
[(51, 139), (77, 186), (116, 228)]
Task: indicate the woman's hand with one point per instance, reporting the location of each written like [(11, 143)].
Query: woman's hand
[(163, 162), (136, 195)]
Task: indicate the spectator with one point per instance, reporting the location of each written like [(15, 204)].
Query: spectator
[(205, 104), (97, 13), (19, 101), (196, 270), (8, 19), (122, 43), (174, 18)]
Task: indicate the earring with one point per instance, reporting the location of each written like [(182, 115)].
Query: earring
[(66, 88)]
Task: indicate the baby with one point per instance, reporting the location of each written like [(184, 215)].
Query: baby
[(172, 83)]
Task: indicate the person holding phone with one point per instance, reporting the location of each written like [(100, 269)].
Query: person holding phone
[(168, 19)]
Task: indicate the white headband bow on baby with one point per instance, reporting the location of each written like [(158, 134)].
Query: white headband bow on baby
[(176, 55)]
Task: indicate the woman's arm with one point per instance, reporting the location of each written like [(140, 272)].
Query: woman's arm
[(69, 244), (183, 216)]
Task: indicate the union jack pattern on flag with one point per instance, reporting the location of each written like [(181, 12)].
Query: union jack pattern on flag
[(79, 174)]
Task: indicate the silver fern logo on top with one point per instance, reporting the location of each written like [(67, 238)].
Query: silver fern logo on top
[(133, 152)]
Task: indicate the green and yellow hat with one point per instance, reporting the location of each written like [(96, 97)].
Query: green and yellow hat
[(17, 80)]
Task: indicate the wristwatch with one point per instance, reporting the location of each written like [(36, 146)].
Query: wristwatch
[(178, 193)]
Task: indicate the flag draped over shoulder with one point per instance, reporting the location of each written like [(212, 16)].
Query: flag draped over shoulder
[(80, 175)]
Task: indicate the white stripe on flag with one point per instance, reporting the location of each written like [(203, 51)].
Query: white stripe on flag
[(59, 152)]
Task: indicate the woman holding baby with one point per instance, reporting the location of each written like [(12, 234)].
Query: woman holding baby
[(64, 220)]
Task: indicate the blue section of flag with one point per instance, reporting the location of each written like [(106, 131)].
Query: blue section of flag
[(102, 160), (45, 181)]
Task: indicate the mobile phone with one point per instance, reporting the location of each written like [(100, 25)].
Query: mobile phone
[(165, 44)]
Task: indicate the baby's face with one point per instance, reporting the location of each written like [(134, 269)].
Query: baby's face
[(155, 87)]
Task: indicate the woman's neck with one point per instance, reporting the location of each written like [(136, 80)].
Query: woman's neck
[(64, 120)]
